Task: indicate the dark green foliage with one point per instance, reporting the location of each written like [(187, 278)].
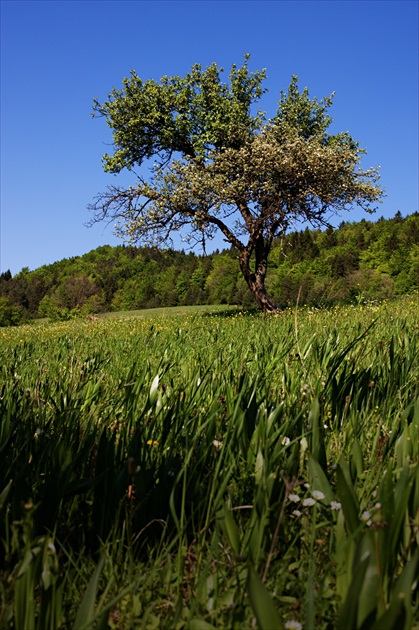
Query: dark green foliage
[(10, 314)]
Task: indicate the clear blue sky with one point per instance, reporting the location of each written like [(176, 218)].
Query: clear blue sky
[(57, 56)]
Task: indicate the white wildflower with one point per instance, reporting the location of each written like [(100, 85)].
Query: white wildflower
[(317, 494), (335, 505), (308, 502), (294, 498), (285, 441), (293, 625)]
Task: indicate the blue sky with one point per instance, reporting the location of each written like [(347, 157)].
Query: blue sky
[(56, 56)]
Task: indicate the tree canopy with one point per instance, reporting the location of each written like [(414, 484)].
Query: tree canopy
[(212, 163)]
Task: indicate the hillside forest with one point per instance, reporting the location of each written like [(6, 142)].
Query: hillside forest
[(361, 261)]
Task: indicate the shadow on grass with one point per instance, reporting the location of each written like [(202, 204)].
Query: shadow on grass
[(173, 311), (229, 312)]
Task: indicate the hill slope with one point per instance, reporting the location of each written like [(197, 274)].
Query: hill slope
[(364, 260)]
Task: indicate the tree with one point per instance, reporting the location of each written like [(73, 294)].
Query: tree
[(221, 282), (10, 314), (5, 276), (213, 163), (75, 291)]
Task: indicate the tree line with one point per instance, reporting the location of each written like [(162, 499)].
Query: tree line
[(365, 260)]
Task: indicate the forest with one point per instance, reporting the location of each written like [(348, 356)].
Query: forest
[(356, 262)]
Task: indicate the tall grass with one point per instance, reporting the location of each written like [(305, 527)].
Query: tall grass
[(212, 470)]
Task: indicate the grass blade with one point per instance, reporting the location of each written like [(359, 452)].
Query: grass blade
[(86, 611), (262, 603)]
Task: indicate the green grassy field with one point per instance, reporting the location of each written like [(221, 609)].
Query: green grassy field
[(212, 468), (173, 311)]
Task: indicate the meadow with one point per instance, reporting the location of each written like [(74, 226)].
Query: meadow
[(212, 469)]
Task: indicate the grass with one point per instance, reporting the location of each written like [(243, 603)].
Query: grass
[(198, 471), (173, 311)]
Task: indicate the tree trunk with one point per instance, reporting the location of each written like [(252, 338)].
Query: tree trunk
[(257, 287), (256, 279)]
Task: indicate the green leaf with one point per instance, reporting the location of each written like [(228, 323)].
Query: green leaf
[(349, 610), (394, 617), (29, 558), (86, 611), (154, 389), (356, 459), (24, 600), (402, 493), (369, 597), (344, 553), (200, 624), (231, 530), (318, 479), (318, 450), (399, 613), (262, 603), (347, 496), (259, 464)]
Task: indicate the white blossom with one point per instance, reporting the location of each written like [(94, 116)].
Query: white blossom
[(294, 498)]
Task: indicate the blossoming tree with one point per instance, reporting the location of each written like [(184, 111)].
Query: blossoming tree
[(213, 163)]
